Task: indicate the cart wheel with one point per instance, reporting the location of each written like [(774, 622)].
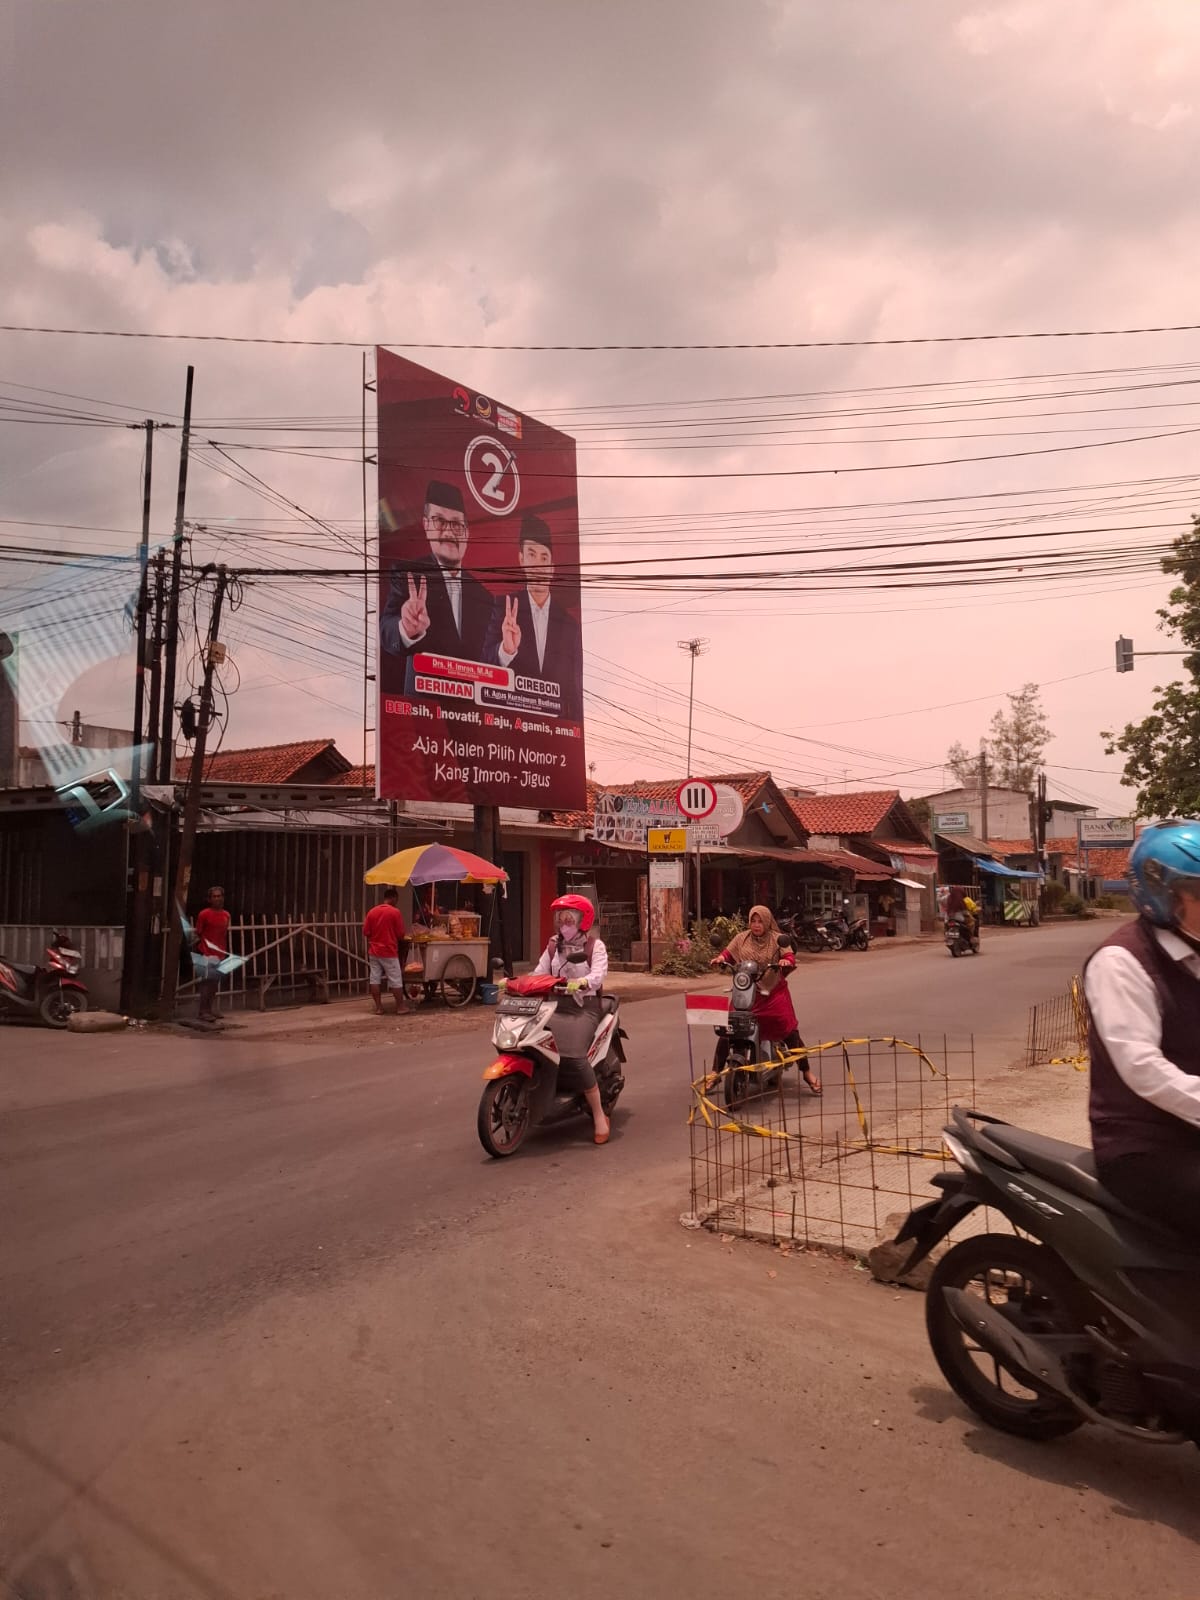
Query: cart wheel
[(458, 981)]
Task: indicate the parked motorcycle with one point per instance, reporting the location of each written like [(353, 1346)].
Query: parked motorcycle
[(51, 992), (855, 934), (1091, 1314), (816, 936), (959, 939), (521, 1086)]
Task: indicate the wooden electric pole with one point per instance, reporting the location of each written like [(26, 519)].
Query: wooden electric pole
[(166, 748), (984, 780), (138, 904), (191, 808)]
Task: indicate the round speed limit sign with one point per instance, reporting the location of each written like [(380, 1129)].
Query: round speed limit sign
[(697, 798)]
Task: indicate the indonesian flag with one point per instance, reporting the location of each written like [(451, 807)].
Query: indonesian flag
[(706, 1010)]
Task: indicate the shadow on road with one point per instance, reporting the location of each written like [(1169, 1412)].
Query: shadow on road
[(1146, 1483)]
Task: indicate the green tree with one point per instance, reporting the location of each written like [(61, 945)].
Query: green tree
[(1162, 752), (1014, 752)]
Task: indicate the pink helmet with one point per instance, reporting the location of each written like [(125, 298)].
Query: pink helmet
[(578, 903)]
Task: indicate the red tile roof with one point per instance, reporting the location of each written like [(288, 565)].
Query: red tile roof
[(860, 812), (267, 763), (357, 778)]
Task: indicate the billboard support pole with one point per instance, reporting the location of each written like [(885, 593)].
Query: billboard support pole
[(497, 855)]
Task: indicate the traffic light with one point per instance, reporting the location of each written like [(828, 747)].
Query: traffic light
[(1124, 654)]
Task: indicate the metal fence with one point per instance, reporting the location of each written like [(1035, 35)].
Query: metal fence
[(838, 1171), (1058, 1030), (281, 952)]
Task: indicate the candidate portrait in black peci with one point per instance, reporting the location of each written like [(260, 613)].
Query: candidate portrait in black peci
[(531, 631), (434, 606)]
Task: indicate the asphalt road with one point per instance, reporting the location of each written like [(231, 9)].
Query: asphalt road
[(271, 1325)]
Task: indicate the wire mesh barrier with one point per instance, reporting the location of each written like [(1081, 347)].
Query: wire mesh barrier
[(1058, 1030), (784, 1166)]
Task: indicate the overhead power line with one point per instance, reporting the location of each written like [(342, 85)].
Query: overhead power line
[(728, 344)]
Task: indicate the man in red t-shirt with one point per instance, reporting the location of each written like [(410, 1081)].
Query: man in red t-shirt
[(387, 946), (212, 946)]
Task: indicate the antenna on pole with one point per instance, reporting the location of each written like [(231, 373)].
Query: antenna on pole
[(694, 647)]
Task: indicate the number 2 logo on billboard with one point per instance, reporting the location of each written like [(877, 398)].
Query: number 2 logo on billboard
[(491, 472)]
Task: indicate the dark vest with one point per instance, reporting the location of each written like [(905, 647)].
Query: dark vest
[(1124, 1124)]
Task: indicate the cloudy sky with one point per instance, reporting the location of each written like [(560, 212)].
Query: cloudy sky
[(713, 173)]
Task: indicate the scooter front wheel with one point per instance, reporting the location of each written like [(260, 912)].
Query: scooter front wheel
[(504, 1115)]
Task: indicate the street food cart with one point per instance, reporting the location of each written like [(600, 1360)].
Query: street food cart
[(449, 954)]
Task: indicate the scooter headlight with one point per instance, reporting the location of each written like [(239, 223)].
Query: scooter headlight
[(506, 1039)]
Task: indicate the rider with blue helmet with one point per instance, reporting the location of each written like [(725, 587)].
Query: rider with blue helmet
[(1143, 992)]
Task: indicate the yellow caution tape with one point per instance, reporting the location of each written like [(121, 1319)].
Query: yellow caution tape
[(718, 1118)]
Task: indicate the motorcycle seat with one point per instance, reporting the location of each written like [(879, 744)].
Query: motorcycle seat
[(1071, 1166), (26, 968), (608, 1004)]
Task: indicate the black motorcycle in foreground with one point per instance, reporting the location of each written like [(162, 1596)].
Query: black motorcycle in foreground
[(1094, 1316), (52, 992)]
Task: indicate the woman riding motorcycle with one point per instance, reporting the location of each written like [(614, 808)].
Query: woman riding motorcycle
[(773, 1009), (578, 1015), (1143, 993)]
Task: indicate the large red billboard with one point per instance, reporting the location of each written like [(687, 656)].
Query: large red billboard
[(480, 661)]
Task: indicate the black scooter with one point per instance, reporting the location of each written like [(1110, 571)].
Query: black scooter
[(52, 992), (1092, 1316)]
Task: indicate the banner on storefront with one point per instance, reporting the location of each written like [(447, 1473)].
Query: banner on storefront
[(480, 659)]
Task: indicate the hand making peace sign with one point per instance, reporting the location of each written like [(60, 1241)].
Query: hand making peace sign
[(510, 633), (414, 614)]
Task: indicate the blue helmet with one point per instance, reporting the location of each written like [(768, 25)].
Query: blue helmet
[(1163, 856)]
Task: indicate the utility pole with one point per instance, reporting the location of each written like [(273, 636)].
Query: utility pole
[(140, 845), (191, 806), (156, 645), (694, 647), (140, 730), (984, 779), (167, 747)]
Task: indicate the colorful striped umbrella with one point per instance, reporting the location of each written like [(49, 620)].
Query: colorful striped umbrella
[(435, 863)]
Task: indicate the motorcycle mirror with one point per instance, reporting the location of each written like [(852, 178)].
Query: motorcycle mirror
[(716, 941), (786, 944), (577, 956), (496, 964)]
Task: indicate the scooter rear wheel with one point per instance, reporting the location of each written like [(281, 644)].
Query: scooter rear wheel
[(59, 1005), (504, 1115)]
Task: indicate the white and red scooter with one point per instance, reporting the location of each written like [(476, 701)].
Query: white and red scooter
[(521, 1086)]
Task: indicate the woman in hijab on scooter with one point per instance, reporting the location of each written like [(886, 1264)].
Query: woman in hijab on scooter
[(773, 1009), (579, 956)]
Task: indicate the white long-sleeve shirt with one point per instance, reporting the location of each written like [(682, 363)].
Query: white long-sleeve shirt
[(1128, 1016), (554, 962)]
